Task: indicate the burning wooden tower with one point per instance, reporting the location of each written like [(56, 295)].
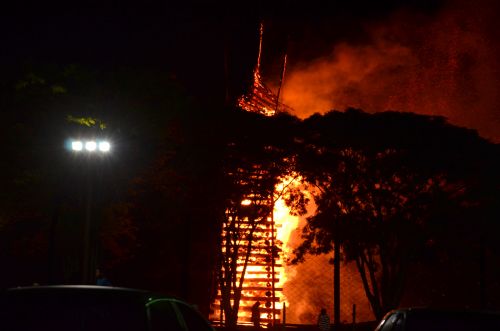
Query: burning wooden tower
[(251, 266), (260, 99)]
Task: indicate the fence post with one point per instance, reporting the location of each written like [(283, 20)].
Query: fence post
[(336, 282), (284, 314), (353, 316)]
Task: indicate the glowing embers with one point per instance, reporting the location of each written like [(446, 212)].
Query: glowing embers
[(260, 99), (246, 202)]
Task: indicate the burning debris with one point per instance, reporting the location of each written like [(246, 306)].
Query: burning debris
[(260, 99)]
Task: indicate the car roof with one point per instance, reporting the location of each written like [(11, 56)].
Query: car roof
[(132, 293), (442, 310)]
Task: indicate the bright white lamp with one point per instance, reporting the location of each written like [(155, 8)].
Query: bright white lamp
[(76, 145), (90, 146), (104, 146)]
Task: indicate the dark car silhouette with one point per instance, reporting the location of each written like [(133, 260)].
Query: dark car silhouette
[(427, 319), (86, 308)]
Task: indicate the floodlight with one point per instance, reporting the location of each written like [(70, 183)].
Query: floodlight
[(90, 146), (76, 145), (104, 146)]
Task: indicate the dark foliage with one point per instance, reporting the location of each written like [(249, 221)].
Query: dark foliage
[(384, 184)]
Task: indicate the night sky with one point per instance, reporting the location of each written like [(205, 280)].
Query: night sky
[(432, 57)]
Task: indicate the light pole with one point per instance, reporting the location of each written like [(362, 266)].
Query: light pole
[(90, 148)]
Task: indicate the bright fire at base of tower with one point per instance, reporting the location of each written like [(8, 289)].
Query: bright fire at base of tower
[(259, 249)]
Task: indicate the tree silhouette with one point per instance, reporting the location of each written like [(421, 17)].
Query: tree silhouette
[(376, 185), (256, 160)]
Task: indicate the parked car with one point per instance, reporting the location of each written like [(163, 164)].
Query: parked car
[(417, 319), (86, 308)]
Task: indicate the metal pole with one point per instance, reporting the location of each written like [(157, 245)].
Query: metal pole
[(52, 243), (353, 316), (482, 267), (86, 230), (336, 283)]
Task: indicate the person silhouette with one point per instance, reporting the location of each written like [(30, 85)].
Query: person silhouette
[(101, 278), (256, 315), (323, 320)]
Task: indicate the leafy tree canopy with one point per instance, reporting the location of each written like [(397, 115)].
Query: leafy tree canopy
[(377, 180)]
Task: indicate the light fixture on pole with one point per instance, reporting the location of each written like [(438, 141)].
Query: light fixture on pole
[(88, 147), (103, 146)]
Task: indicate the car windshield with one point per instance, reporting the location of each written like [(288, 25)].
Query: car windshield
[(70, 311), (457, 321)]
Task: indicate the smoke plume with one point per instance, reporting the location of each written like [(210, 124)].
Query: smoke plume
[(444, 65)]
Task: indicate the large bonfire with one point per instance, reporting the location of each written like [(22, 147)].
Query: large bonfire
[(261, 270)]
